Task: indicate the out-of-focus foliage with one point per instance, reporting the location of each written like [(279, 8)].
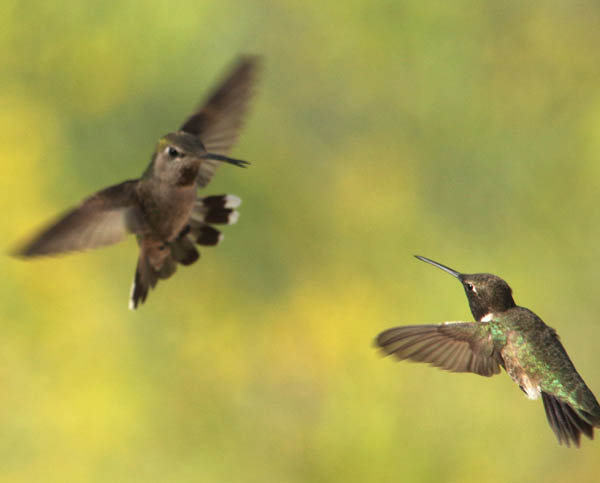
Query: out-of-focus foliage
[(465, 131)]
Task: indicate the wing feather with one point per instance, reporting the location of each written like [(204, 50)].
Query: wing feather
[(455, 346), (219, 120), (102, 219)]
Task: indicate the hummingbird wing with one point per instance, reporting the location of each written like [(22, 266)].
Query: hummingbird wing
[(219, 120), (454, 346), (102, 219)]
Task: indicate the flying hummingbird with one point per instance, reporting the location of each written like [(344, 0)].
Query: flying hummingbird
[(505, 335), (162, 208)]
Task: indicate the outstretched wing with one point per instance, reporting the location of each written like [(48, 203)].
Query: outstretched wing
[(102, 219), (454, 346), (219, 121)]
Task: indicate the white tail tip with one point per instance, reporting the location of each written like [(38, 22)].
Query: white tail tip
[(232, 201)]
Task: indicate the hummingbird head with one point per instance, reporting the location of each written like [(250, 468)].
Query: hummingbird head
[(487, 293), (179, 157)]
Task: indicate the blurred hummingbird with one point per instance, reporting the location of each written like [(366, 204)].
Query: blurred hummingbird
[(162, 208), (505, 335)]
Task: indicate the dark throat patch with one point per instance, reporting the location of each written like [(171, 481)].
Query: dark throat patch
[(187, 175)]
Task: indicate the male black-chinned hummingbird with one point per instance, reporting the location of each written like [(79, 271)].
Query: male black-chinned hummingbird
[(505, 335), (162, 208)]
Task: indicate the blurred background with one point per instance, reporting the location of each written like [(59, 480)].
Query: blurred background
[(467, 131)]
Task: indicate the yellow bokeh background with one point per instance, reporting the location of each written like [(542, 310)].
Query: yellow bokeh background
[(464, 131)]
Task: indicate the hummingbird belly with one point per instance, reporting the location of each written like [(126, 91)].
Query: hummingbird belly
[(512, 355), (167, 215)]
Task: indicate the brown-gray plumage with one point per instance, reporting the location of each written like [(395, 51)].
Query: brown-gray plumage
[(508, 336), (454, 346), (219, 120), (162, 208), (103, 219)]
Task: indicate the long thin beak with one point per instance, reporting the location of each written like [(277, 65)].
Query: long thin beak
[(454, 273), (219, 157)]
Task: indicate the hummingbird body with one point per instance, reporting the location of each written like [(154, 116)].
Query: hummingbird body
[(166, 198), (162, 207), (504, 335)]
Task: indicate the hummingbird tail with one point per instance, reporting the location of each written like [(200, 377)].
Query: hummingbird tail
[(566, 421), (183, 250), (143, 280), (147, 274), (216, 209), (159, 260), (212, 210)]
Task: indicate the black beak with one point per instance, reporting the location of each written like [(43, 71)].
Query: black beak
[(454, 273), (219, 157)]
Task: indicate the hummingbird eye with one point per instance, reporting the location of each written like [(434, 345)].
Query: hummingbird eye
[(173, 153), (470, 287)]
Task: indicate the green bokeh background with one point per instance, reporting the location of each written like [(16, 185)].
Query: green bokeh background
[(465, 131)]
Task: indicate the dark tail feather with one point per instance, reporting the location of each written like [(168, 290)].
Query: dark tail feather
[(218, 209), (184, 251), (207, 235), (565, 421), (146, 277)]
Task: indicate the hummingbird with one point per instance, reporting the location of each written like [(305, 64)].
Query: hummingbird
[(162, 207), (508, 336)]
